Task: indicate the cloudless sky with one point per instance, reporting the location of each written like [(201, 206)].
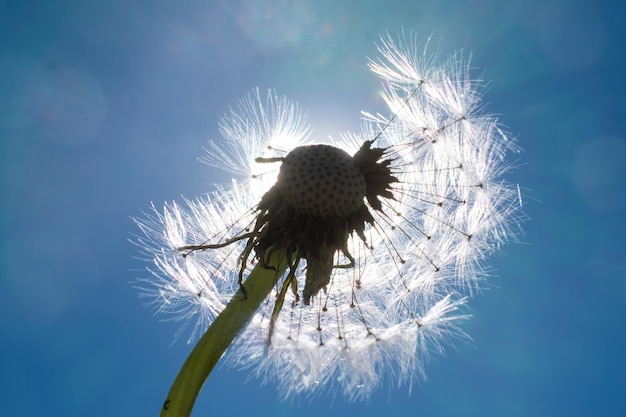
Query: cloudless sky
[(105, 107)]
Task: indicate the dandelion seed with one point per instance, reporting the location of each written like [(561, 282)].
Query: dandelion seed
[(366, 247)]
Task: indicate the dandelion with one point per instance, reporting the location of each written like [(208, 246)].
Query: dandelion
[(331, 267)]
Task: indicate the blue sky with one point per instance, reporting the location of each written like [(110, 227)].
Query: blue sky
[(105, 107)]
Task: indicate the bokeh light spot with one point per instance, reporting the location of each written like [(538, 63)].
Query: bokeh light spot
[(62, 104), (76, 106), (599, 173), (23, 88), (275, 23)]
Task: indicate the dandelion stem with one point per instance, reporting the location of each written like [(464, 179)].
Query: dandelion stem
[(219, 336)]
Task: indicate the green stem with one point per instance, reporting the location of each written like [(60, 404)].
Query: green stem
[(219, 336)]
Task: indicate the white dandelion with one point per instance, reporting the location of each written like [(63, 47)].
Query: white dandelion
[(332, 267)]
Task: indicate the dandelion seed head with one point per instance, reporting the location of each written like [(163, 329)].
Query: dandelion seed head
[(386, 232)]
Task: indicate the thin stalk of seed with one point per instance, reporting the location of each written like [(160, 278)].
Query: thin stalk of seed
[(218, 337)]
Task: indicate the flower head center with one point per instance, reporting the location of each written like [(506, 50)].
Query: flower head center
[(321, 181)]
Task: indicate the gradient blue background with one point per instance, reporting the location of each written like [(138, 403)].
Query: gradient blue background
[(105, 106)]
